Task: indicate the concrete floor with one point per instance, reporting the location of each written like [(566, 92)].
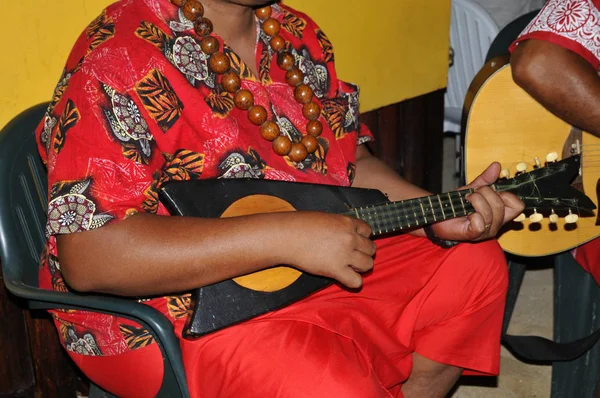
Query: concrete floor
[(533, 315)]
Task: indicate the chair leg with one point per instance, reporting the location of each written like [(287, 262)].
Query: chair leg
[(516, 272), (97, 392), (576, 314)]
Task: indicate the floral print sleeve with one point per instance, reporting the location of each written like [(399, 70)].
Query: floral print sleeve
[(572, 24)]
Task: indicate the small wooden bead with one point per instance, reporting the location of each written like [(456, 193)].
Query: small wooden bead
[(298, 152), (203, 27), (294, 77), (314, 128), (231, 82), (263, 13), (219, 63), (277, 43), (285, 60), (178, 3), (271, 27), (311, 111), (311, 143), (282, 145), (269, 130), (209, 45), (193, 9), (243, 99), (303, 94), (257, 115)]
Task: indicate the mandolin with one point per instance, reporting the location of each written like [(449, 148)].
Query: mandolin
[(545, 190), (502, 122)]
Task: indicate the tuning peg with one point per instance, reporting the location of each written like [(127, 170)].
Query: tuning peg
[(520, 218), (553, 217), (551, 157), (536, 217), (571, 218), (504, 173), (537, 163), (521, 167)]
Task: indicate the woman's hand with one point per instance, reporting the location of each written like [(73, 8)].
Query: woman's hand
[(492, 211), (330, 245)]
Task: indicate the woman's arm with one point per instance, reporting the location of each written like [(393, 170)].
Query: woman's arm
[(149, 255), (561, 80)]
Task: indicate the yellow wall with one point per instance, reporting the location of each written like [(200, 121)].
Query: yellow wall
[(397, 52), (393, 49)]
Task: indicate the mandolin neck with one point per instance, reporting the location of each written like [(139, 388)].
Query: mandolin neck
[(414, 213)]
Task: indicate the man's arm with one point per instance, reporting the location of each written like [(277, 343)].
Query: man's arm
[(561, 80)]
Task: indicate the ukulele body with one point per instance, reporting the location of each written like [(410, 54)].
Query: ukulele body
[(232, 301)]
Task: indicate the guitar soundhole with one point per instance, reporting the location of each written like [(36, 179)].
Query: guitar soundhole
[(272, 279)]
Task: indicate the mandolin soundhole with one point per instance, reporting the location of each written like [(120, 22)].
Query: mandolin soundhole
[(272, 279)]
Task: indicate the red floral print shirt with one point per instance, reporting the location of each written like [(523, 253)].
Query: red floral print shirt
[(572, 24), (137, 107)]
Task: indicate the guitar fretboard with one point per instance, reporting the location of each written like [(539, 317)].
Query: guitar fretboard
[(414, 213)]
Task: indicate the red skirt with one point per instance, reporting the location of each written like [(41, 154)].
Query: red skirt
[(445, 304)]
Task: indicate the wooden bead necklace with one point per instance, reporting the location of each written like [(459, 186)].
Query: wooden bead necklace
[(220, 64)]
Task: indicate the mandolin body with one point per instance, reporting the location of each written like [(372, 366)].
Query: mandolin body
[(232, 301)]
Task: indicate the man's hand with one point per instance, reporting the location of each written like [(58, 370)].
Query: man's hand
[(492, 211)]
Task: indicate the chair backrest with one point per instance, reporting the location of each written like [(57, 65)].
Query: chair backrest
[(23, 198), (472, 30)]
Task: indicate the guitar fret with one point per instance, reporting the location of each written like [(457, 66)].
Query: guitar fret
[(441, 206), (432, 209), (423, 211), (462, 203), (451, 204)]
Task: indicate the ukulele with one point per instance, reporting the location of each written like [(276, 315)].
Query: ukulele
[(545, 190)]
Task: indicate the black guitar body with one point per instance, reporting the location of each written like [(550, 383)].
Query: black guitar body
[(226, 303)]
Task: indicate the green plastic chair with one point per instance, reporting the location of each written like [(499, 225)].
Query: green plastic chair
[(23, 204)]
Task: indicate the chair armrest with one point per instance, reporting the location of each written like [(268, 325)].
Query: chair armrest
[(150, 318)]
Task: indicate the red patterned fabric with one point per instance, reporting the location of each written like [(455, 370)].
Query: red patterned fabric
[(137, 107), (573, 24)]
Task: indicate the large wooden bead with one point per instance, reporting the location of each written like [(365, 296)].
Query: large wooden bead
[(285, 60), (263, 13), (203, 27), (269, 130), (219, 63), (298, 152), (193, 9), (311, 143), (311, 110), (314, 128), (257, 115), (209, 45), (294, 77), (277, 43), (178, 3), (282, 145), (243, 99), (303, 94), (271, 27), (231, 82)]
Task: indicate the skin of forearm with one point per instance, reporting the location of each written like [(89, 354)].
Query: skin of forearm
[(147, 254), (375, 174), (559, 79)]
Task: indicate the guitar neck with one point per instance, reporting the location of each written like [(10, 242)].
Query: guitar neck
[(414, 213)]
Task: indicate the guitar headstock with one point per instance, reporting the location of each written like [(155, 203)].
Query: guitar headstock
[(547, 191)]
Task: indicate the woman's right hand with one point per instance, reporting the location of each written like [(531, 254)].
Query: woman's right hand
[(329, 245)]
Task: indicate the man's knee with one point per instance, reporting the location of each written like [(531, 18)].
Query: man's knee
[(484, 263)]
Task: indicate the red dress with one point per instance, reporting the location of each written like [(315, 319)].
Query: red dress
[(574, 25), (137, 107)]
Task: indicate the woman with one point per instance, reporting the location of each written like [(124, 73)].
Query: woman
[(157, 91)]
